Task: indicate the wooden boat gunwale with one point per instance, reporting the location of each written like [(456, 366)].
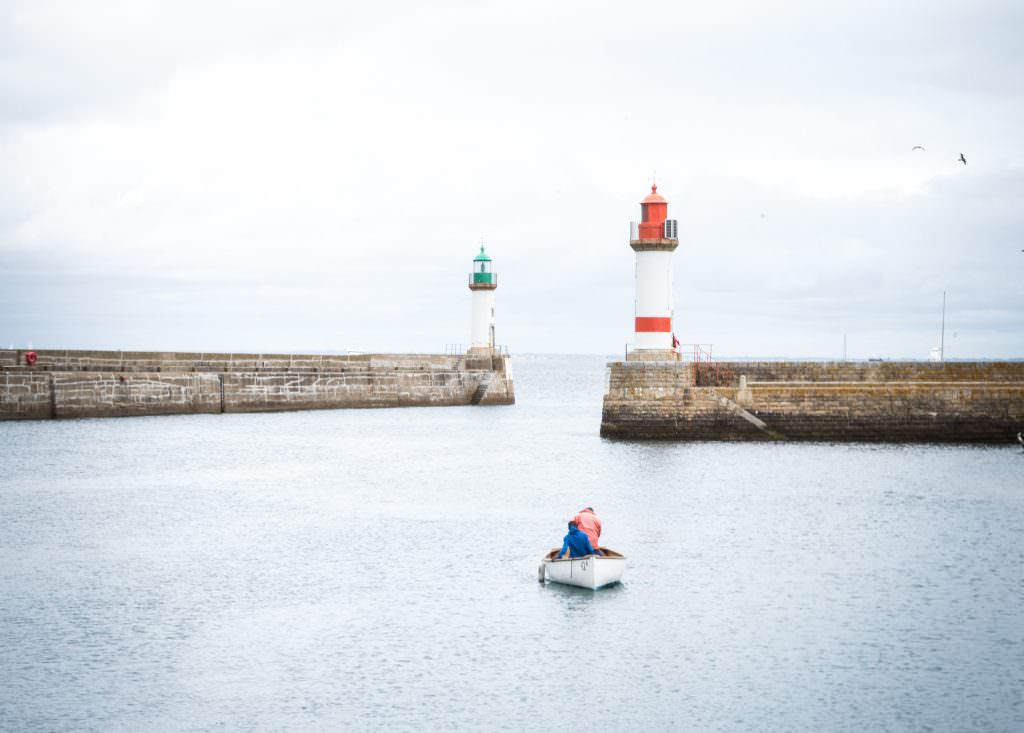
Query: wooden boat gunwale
[(552, 556)]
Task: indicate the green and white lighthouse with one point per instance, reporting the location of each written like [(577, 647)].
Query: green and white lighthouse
[(483, 281)]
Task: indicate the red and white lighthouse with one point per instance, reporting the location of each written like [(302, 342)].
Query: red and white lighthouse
[(654, 239)]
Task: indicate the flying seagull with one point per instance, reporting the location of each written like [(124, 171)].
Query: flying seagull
[(963, 159), (917, 147)]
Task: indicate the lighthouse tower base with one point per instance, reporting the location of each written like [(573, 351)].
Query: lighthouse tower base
[(652, 355)]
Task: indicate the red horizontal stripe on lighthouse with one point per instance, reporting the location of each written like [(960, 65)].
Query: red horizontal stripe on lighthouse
[(647, 324)]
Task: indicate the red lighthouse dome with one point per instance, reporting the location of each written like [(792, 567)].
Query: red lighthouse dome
[(654, 210)]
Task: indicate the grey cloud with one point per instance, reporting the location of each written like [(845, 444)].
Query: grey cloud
[(62, 60), (540, 136), (961, 236)]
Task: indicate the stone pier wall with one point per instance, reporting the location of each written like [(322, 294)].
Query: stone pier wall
[(962, 402), (25, 395), (69, 384), (864, 371)]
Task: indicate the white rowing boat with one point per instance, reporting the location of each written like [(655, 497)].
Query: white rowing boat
[(592, 571)]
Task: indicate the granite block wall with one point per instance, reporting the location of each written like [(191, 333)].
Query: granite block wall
[(106, 394), (864, 371), (25, 395), (969, 402), (68, 384)]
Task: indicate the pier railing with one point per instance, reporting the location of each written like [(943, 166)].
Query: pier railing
[(462, 349), (707, 371)]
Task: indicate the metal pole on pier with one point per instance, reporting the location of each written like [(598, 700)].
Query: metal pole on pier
[(942, 337)]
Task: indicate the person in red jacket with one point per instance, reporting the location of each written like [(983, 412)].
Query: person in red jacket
[(590, 525)]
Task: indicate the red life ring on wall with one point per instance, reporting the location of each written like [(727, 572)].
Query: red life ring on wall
[(30, 357)]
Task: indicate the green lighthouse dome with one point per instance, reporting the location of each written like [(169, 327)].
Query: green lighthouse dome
[(482, 269)]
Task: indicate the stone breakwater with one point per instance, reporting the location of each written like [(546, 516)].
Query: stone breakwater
[(956, 402), (69, 384)]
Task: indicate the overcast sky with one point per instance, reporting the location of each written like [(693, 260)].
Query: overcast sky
[(290, 176)]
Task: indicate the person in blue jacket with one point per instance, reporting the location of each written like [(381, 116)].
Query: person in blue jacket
[(576, 543)]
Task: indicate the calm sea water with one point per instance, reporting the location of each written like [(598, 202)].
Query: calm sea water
[(377, 570)]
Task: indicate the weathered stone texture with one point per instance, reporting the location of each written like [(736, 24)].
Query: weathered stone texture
[(248, 392), (966, 402), (669, 355), (861, 371), (25, 395), (157, 361), (89, 394), (108, 384), (494, 386)]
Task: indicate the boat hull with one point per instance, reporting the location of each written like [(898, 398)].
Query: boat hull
[(592, 571)]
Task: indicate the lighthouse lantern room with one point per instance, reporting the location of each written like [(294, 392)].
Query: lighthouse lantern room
[(483, 281), (654, 239)]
